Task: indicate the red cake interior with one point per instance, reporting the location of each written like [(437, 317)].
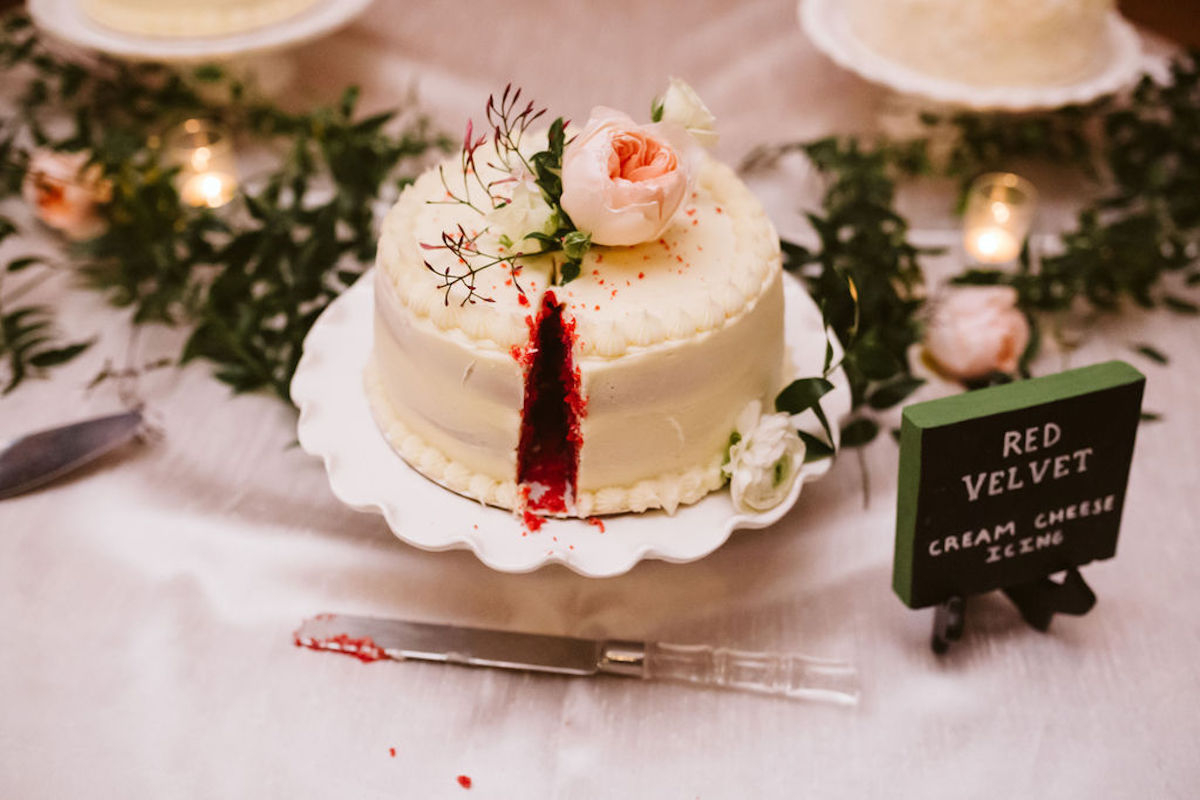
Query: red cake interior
[(548, 453)]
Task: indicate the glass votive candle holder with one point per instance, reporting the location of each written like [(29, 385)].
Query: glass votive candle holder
[(203, 151), (998, 216)]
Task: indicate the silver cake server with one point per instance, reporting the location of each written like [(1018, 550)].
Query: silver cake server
[(783, 674), (37, 458)]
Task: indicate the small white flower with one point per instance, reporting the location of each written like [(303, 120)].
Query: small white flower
[(764, 459), (682, 106), (527, 212)]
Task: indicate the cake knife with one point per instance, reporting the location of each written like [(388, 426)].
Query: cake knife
[(783, 674), (29, 461)]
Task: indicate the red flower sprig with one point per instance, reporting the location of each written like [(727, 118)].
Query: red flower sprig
[(464, 247), (510, 120)]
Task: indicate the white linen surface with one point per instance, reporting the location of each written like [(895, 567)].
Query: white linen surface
[(147, 605)]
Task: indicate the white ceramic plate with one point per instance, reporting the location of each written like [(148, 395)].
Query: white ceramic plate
[(65, 20), (366, 474), (827, 24)]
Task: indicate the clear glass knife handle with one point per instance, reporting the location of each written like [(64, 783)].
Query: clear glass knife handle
[(784, 674)]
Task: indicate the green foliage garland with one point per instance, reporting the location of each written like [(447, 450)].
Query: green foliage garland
[(1139, 243), (248, 281)]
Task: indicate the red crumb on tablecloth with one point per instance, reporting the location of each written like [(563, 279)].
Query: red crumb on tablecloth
[(596, 522), (364, 649), (392, 752), (464, 781)]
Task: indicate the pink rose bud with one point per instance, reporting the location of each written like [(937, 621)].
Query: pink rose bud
[(623, 182), (65, 193), (975, 330)]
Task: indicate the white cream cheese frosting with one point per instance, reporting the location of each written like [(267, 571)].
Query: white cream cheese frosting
[(673, 338)]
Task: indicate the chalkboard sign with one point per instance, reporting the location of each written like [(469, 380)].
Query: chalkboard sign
[(1009, 484)]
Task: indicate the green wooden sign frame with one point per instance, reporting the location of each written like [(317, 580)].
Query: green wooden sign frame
[(1012, 483)]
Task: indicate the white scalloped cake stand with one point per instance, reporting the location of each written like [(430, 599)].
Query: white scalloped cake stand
[(67, 21), (366, 474), (827, 24)]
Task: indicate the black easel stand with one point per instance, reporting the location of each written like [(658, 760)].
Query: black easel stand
[(1038, 601), (948, 621)]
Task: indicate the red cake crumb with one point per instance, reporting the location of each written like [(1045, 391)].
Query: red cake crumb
[(464, 781), (364, 649), (548, 452), (392, 752), (522, 299), (596, 522), (533, 523)]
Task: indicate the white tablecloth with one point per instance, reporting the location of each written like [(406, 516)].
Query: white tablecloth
[(147, 605)]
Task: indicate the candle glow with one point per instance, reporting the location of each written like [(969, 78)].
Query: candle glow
[(998, 217), (207, 170)]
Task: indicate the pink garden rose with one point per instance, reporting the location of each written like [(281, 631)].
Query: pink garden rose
[(66, 193), (623, 182), (975, 330)]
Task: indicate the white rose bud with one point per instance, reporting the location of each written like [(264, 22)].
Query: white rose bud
[(682, 106), (527, 212), (765, 459)]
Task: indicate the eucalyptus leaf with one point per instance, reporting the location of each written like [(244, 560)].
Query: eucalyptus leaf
[(894, 392), (859, 432), (814, 449), (1152, 353)]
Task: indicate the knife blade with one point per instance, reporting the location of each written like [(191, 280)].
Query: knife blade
[(30, 461), (785, 674)]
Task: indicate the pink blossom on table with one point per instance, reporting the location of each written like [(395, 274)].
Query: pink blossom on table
[(975, 330), (66, 193), (623, 182)]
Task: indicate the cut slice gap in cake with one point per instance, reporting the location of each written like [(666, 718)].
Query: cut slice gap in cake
[(548, 451)]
